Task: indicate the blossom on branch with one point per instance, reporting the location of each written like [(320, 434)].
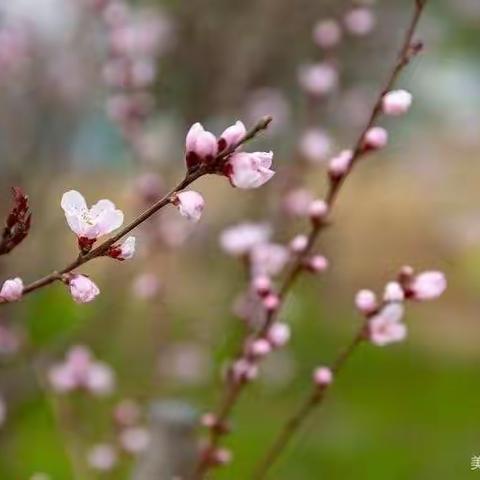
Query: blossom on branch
[(11, 290), (249, 170), (90, 223), (386, 326), (123, 251), (83, 289), (190, 204)]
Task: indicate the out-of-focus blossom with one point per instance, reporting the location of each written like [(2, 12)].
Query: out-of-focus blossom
[(249, 170), (221, 456), (340, 164), (262, 285), (315, 146), (366, 301), (271, 302), (327, 33), (269, 101), (82, 289), (322, 376), (299, 243), (146, 285), (12, 290), (149, 187), (14, 49), (126, 413), (360, 21), (317, 264), (187, 363), (9, 340), (190, 204), (134, 439), (240, 239), (318, 79), (396, 102), (91, 223), (428, 285), (297, 202), (268, 259), (278, 335), (318, 210), (232, 135), (102, 457), (386, 326), (393, 292), (259, 348), (244, 370), (81, 371), (375, 138)]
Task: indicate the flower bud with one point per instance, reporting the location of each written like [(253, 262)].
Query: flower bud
[(299, 243), (340, 164), (260, 348), (396, 102), (375, 138), (428, 285), (12, 290), (271, 302), (190, 204), (393, 292), (262, 285), (327, 33), (317, 264), (366, 301), (82, 289), (322, 377), (278, 335), (231, 136), (318, 210)]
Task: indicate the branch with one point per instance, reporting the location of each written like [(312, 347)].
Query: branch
[(191, 176), (234, 389)]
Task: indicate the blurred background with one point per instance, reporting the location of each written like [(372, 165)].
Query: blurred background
[(97, 96)]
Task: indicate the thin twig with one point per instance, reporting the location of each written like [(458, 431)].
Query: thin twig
[(101, 250), (233, 390)]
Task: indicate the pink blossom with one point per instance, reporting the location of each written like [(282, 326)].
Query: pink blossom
[(91, 223), (102, 457), (249, 170), (124, 251), (318, 79), (296, 202), (393, 292), (82, 289), (135, 439), (190, 204), (262, 285), (268, 259), (260, 348), (127, 412), (12, 290), (244, 370), (240, 239), (222, 456), (232, 135), (360, 21), (149, 187), (299, 243), (315, 146), (278, 335), (396, 102), (317, 264), (100, 379), (327, 33), (340, 164), (428, 285), (200, 145), (271, 302), (81, 371), (376, 138), (318, 210), (386, 327), (322, 376), (146, 285), (366, 301)]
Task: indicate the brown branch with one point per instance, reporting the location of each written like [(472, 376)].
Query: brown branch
[(234, 389), (191, 176)]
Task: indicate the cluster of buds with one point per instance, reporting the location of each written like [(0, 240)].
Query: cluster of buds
[(393, 103), (81, 372), (244, 170), (17, 224), (384, 319), (358, 21), (135, 39)]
